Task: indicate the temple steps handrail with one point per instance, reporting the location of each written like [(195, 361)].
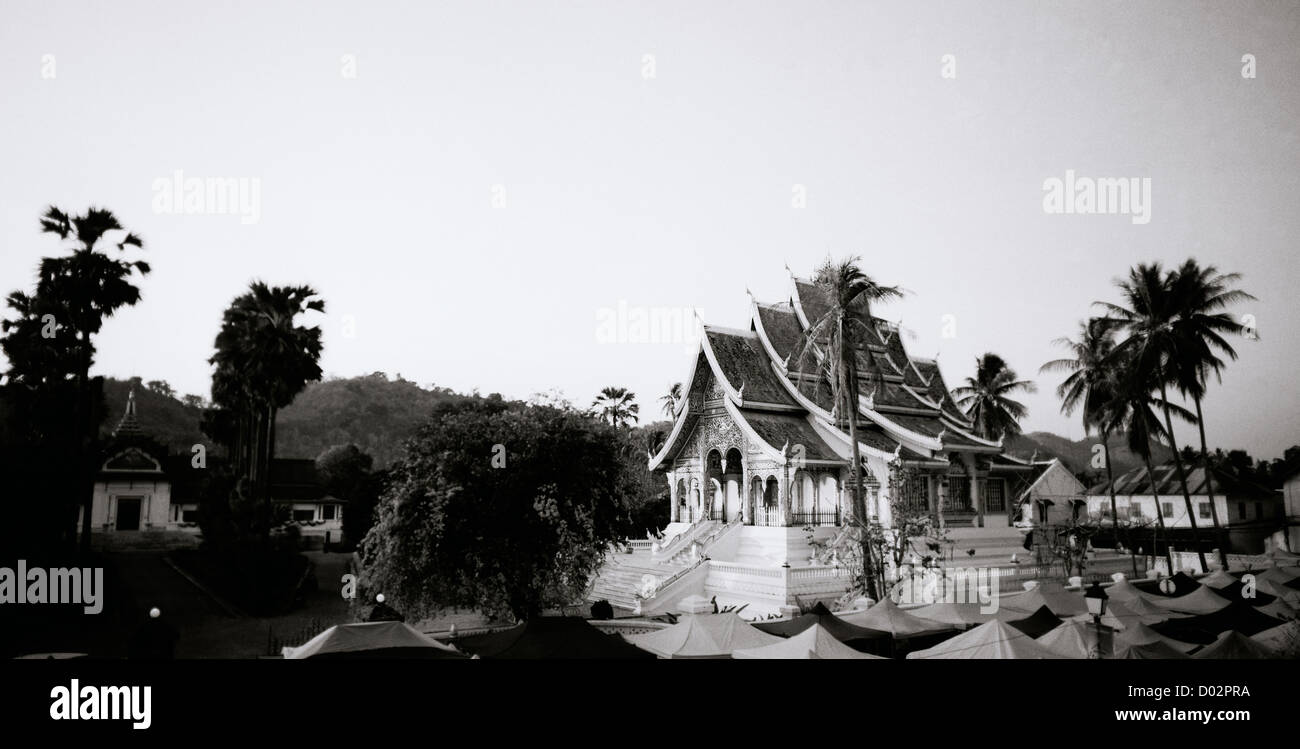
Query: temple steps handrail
[(683, 539)]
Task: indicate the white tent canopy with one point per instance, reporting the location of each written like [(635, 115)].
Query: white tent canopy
[(1236, 646), (704, 636), (1073, 639), (367, 636), (1057, 599), (1138, 635), (1125, 591), (1218, 580), (886, 616), (1123, 614), (814, 643), (1203, 600), (991, 640), (1281, 637)]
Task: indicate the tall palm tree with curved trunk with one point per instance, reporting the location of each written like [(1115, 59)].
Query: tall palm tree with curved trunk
[(833, 341), (1090, 388), (1201, 329), (670, 401), (1132, 410), (263, 359), (986, 397), (92, 286), (1150, 348), (617, 405)]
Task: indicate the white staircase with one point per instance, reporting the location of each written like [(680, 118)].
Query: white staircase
[(623, 575)]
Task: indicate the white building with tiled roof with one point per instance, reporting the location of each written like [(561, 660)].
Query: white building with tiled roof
[(757, 455)]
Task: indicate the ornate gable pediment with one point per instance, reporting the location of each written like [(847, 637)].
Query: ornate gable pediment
[(132, 459)]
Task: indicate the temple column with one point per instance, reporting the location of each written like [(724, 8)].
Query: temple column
[(783, 497), (976, 501), (816, 493), (745, 498), (673, 499)]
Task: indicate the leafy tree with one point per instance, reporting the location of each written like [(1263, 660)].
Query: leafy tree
[(457, 527), (161, 387), (346, 474), (193, 401), (617, 405), (986, 397)]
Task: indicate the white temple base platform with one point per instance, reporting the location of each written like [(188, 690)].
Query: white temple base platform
[(767, 568)]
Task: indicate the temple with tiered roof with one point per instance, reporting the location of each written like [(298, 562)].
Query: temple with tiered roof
[(756, 435), (757, 465)]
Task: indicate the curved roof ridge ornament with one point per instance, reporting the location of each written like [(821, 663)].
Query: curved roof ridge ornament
[(898, 451), (740, 394)]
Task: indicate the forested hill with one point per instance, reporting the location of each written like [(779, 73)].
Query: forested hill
[(377, 413), (1077, 454), (372, 411)]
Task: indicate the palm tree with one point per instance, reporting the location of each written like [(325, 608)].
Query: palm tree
[(671, 400), (617, 405), (1150, 348), (1091, 386), (1132, 410), (92, 286), (834, 340), (985, 397), (1200, 330), (263, 360)]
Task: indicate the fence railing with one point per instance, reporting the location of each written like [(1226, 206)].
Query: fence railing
[(769, 516), (830, 518)]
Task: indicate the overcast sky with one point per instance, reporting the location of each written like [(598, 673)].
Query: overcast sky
[(473, 183)]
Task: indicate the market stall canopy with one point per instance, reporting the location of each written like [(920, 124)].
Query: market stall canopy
[(704, 636), (1139, 635), (1152, 651), (886, 616), (813, 643), (1072, 639), (1278, 609), (1280, 638), (1204, 628), (821, 616), (1183, 583), (1122, 614), (991, 640), (386, 639), (1278, 575), (1126, 591), (1218, 579), (1035, 625), (1235, 646), (958, 614), (567, 637), (1058, 600), (1203, 600)]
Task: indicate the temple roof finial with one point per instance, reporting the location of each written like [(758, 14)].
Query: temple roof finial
[(129, 426)]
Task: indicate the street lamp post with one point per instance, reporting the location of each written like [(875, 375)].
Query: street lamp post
[(1096, 597)]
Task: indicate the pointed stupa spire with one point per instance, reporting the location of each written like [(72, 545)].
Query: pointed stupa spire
[(129, 426)]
